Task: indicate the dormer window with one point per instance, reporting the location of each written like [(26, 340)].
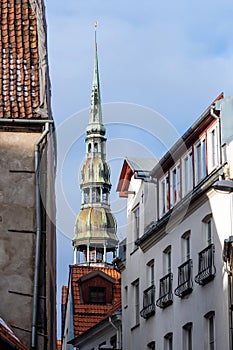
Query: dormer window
[(97, 295), (96, 288)]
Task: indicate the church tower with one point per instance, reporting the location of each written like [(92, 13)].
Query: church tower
[(95, 228)]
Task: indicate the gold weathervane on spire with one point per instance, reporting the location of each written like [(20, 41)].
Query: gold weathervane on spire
[(96, 24)]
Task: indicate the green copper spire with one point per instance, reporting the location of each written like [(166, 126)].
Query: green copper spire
[(95, 227), (95, 120)]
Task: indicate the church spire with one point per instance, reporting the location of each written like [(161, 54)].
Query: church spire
[(95, 228), (96, 112), (95, 119)]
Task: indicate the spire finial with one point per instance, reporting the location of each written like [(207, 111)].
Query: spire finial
[(95, 111), (96, 25)]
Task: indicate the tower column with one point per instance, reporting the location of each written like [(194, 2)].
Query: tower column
[(75, 255), (88, 253), (105, 254)]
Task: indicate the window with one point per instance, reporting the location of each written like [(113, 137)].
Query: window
[(150, 272), (105, 195), (187, 183), (165, 283), (164, 195), (206, 265), (187, 336), (95, 194), (200, 160), (149, 293), (185, 246), (208, 228), (95, 147), (167, 260), (136, 222), (168, 341), (175, 185), (97, 295), (213, 148), (86, 196), (136, 314), (126, 297), (210, 331)]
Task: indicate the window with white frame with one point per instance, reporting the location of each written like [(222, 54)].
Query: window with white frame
[(187, 336), (200, 160), (187, 173), (136, 306), (185, 246), (164, 195), (168, 341), (208, 229), (213, 145), (210, 330), (175, 190)]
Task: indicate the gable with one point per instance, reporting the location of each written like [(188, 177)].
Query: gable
[(96, 288)]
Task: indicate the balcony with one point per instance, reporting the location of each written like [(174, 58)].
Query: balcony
[(206, 268), (148, 302), (165, 291), (185, 279)]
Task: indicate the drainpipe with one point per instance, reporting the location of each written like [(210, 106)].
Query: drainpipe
[(38, 234), (118, 332), (212, 108)]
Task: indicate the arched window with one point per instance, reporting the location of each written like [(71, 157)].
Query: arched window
[(95, 147)]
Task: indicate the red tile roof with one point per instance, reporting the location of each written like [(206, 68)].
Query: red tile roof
[(88, 315), (8, 335), (23, 62), (59, 344), (63, 306)]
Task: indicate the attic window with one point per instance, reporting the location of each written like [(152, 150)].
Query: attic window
[(97, 295)]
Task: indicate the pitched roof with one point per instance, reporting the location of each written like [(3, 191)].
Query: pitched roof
[(9, 336), (24, 82), (86, 316), (131, 166)]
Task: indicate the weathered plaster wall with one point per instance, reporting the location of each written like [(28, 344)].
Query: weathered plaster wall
[(17, 229)]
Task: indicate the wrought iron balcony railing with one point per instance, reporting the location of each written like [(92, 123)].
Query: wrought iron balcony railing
[(185, 279), (206, 267), (148, 302), (165, 291)]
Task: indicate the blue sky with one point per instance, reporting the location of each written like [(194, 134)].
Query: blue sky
[(170, 57)]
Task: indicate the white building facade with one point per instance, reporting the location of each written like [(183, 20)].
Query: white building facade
[(176, 288)]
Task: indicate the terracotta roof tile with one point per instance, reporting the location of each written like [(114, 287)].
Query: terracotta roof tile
[(88, 315), (59, 344), (7, 334), (19, 61)]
